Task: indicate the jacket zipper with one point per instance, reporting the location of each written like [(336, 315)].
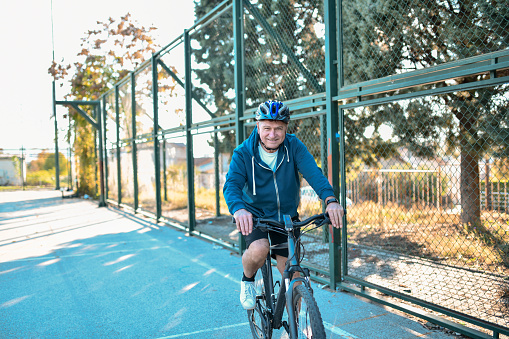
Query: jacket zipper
[(277, 195), (275, 186)]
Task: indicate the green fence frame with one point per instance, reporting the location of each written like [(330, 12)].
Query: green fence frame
[(329, 104)]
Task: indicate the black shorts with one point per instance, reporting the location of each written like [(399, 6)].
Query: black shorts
[(276, 238)]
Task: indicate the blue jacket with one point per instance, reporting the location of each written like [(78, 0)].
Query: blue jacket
[(252, 185)]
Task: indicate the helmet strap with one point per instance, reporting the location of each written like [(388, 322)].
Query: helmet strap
[(268, 148)]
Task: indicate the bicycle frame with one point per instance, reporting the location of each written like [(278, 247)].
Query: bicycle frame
[(285, 295), (268, 312)]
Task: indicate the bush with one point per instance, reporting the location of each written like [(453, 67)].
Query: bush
[(41, 178)]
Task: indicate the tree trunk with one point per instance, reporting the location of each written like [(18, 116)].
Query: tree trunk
[(470, 192)]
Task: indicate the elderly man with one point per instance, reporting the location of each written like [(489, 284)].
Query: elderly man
[(263, 181)]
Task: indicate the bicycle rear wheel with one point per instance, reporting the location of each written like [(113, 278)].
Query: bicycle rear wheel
[(259, 317), (307, 314)]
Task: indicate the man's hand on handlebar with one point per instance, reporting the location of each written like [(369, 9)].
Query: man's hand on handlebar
[(335, 212), (244, 221)]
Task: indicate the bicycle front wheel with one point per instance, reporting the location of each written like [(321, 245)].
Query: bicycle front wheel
[(307, 314), (259, 319)]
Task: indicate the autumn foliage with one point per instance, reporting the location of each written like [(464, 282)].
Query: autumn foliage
[(108, 53)]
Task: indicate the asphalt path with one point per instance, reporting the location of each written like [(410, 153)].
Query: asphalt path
[(69, 269)]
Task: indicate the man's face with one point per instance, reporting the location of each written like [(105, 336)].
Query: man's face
[(272, 133)]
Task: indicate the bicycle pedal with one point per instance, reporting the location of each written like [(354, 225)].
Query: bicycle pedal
[(287, 328)]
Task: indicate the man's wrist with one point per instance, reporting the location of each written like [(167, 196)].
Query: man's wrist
[(330, 200)]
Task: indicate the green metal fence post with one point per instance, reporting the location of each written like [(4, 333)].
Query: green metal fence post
[(331, 74), (189, 137), (103, 117), (134, 148), (165, 184), (342, 159), (216, 174), (238, 38), (157, 160), (117, 122), (97, 109), (323, 159), (57, 162)]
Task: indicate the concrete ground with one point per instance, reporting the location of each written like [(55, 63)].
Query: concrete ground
[(69, 269)]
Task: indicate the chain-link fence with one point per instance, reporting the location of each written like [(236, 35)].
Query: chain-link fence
[(418, 223), (33, 168), (426, 175), (419, 89)]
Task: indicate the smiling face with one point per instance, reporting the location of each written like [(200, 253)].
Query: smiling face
[(272, 134)]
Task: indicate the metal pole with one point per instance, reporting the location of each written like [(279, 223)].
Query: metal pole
[(165, 184), (157, 160), (102, 200), (189, 137), (22, 169), (57, 164), (69, 175), (332, 76), (117, 122), (105, 156), (238, 38), (134, 148), (216, 174), (343, 269), (96, 168)]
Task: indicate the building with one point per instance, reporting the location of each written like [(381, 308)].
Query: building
[(12, 168)]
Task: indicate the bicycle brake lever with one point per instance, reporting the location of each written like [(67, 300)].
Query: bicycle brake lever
[(325, 220)]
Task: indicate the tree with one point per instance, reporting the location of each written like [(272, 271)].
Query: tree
[(46, 162), (270, 70), (390, 37), (109, 53)]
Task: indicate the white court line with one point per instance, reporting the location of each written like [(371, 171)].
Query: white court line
[(204, 331), (194, 260), (328, 326), (336, 330)]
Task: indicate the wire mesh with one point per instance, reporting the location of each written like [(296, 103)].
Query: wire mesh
[(418, 223), (284, 50), (146, 176), (127, 175), (29, 168), (174, 179), (212, 63), (112, 177), (382, 38), (171, 93), (144, 102)]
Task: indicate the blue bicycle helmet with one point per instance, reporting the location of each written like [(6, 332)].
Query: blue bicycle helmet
[(273, 110)]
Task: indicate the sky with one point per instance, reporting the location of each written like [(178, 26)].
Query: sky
[(26, 54)]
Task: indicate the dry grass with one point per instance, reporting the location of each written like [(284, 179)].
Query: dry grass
[(433, 233), (428, 232), (421, 231)]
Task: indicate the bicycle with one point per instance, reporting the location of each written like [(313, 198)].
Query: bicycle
[(304, 318)]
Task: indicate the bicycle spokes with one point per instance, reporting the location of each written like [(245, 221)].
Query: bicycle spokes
[(308, 318), (303, 321)]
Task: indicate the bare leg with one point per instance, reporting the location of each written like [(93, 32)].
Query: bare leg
[(281, 263), (254, 257)]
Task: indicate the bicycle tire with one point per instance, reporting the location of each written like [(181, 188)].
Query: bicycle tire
[(307, 314), (259, 320)]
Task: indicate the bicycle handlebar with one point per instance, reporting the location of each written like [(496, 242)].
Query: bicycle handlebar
[(270, 224)]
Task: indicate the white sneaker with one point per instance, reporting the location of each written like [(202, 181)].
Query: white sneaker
[(247, 295), (258, 284)]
